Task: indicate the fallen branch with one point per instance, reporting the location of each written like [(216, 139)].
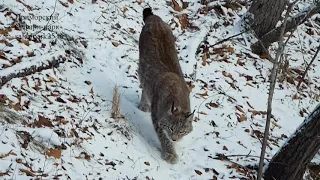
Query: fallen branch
[(227, 39), (32, 69)]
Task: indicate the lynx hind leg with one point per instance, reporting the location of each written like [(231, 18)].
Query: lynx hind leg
[(145, 104), (168, 152)]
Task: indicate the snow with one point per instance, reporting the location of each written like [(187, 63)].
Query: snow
[(98, 146)]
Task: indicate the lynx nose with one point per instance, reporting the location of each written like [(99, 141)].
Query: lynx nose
[(174, 138)]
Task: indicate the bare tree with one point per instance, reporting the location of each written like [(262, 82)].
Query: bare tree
[(292, 159)]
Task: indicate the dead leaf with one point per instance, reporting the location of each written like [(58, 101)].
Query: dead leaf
[(51, 79), (7, 154), (296, 96), (275, 124), (241, 117), (59, 99), (131, 30), (26, 42), (184, 21), (176, 6), (198, 172), (65, 4), (88, 82), (30, 53), (71, 1), (190, 87), (4, 32), (241, 63), (316, 97), (42, 122), (203, 94), (139, 2), (231, 100), (5, 173), (291, 80), (213, 105), (16, 107), (254, 112), (61, 120), (74, 99), (115, 44), (3, 98), (217, 134), (27, 172), (204, 113), (91, 91), (230, 49), (17, 60), (248, 78), (147, 163), (3, 55), (240, 109), (124, 10), (204, 59), (224, 73), (84, 155), (56, 153), (225, 148)]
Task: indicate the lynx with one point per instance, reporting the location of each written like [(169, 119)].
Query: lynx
[(164, 90)]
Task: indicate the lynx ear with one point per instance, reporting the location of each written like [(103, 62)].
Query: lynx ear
[(174, 109)]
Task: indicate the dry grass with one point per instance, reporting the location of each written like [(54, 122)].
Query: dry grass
[(115, 111)]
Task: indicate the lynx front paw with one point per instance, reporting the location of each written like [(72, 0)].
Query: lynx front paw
[(144, 107), (171, 158)]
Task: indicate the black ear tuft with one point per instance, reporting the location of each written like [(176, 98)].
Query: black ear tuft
[(191, 113), (147, 12)]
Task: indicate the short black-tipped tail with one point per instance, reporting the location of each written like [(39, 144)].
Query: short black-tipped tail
[(147, 12)]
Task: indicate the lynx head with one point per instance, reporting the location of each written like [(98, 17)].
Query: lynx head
[(177, 122)]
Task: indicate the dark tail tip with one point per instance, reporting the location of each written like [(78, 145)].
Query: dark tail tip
[(147, 12)]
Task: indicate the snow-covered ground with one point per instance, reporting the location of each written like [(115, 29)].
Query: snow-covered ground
[(68, 132)]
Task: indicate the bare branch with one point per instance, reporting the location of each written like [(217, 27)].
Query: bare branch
[(271, 90), (308, 67)]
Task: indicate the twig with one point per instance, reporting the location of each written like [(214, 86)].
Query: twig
[(244, 155), (44, 27), (271, 90), (308, 67), (231, 37)]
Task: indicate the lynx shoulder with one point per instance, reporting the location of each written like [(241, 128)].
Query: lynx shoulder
[(164, 90)]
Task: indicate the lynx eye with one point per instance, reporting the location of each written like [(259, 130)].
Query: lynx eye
[(171, 129)]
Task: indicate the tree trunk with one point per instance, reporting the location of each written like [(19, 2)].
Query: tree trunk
[(274, 34), (292, 159), (266, 14)]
